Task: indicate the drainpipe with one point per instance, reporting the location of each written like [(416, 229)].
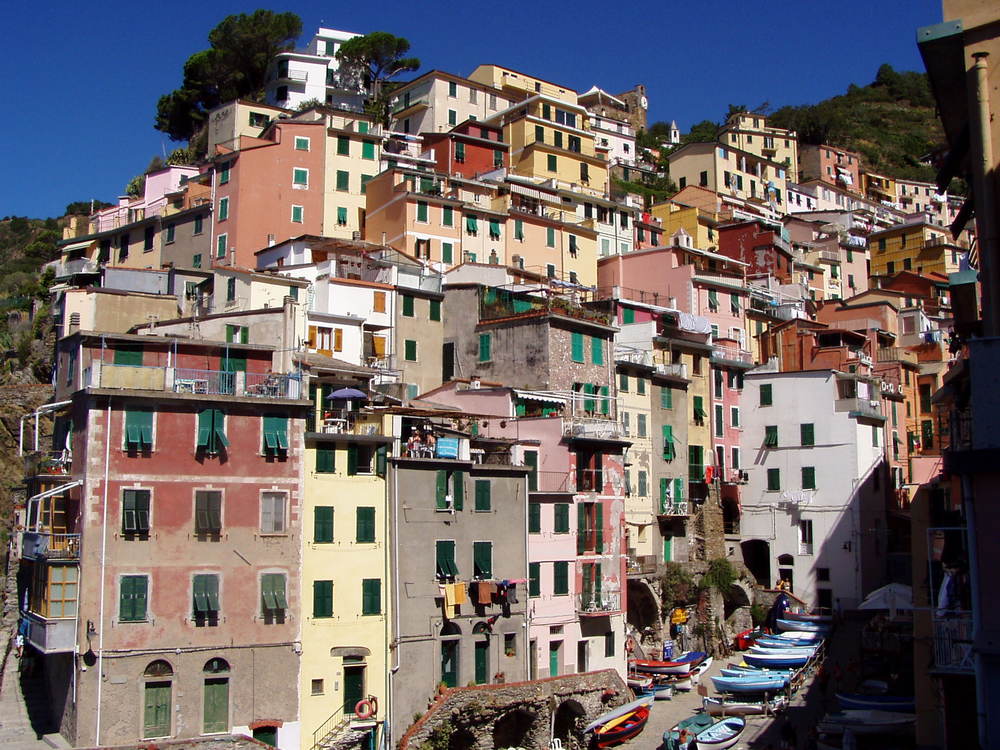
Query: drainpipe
[(968, 501), (104, 547), (986, 201), (395, 602), (387, 629)]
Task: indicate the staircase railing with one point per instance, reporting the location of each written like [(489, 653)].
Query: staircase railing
[(330, 726)]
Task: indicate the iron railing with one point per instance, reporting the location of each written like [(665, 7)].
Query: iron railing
[(598, 602)]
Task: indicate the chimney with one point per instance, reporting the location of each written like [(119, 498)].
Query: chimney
[(288, 335)]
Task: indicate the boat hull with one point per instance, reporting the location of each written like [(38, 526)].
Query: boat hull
[(717, 707), (622, 728), (860, 702), (749, 684), (721, 735), (775, 661), (867, 722), (810, 627)]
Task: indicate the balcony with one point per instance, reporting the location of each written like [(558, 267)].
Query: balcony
[(77, 265), (43, 545), (589, 480), (732, 355), (677, 369), (953, 644), (860, 407), (189, 381), (402, 104), (341, 422), (48, 463), (51, 636), (593, 428), (673, 508), (896, 354), (291, 75), (830, 255), (598, 603)]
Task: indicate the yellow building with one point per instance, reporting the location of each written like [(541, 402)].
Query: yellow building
[(353, 151), (550, 139), (878, 187), (697, 222), (634, 368), (519, 85), (918, 246), (345, 608), (750, 132)]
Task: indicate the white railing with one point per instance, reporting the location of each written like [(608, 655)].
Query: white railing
[(953, 643), (593, 427), (598, 602)]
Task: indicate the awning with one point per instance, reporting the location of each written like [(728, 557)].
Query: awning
[(76, 246), (549, 398), (529, 192)]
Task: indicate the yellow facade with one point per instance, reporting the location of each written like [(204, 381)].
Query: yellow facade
[(353, 151), (730, 171), (517, 83), (696, 222), (344, 651), (634, 393), (922, 248), (750, 132)]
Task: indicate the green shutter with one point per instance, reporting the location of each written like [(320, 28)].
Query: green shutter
[(771, 436), (325, 460), (421, 211), (483, 498), (720, 423), (275, 434), (323, 524), (666, 397), (341, 215), (807, 433), (550, 237), (441, 490), (381, 460), (808, 477), (205, 421), (367, 150), (410, 350), (560, 577), (272, 590), (699, 408), (343, 180), (322, 598), (713, 300), (435, 309), (599, 547), (518, 229), (734, 304), (343, 145), (494, 229), (589, 404), (561, 514), (132, 603), (458, 489), (531, 461), (352, 460), (446, 252), (128, 355), (371, 596), (623, 382), (552, 164), (482, 559), (407, 305), (534, 579), (471, 226), (669, 452), (484, 347), (765, 394), (581, 528), (596, 350), (664, 493), (678, 490), (447, 216), (576, 340), (773, 480), (628, 315), (138, 430), (605, 402), (534, 518), (444, 553), (459, 151)]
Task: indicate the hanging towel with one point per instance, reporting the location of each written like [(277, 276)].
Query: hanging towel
[(484, 593), (460, 594), (512, 594)]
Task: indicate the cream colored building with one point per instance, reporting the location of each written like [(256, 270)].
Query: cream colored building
[(750, 132), (521, 85), (438, 101)]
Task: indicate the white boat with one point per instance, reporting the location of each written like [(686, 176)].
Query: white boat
[(626, 708), (719, 707), (721, 734), (794, 650), (800, 635), (663, 691), (866, 722)]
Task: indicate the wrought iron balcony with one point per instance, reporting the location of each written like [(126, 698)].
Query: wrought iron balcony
[(953, 643), (197, 382), (598, 603), (43, 545)]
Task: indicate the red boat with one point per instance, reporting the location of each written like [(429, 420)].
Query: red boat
[(622, 728), (682, 665)]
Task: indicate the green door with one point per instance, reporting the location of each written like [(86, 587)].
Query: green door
[(267, 735), (354, 688), (449, 663), (216, 705), (482, 662), (554, 658), (156, 716), (668, 543)]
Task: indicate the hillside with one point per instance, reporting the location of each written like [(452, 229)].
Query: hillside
[(890, 122)]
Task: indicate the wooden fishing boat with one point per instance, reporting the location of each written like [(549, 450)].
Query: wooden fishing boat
[(867, 722), (801, 625), (800, 635), (622, 728), (682, 665), (863, 701), (662, 691), (730, 672), (776, 661), (774, 642), (720, 707), (787, 650), (750, 683), (614, 713), (689, 726), (722, 734), (808, 617)]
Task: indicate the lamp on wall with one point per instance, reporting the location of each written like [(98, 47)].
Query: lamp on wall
[(846, 546)]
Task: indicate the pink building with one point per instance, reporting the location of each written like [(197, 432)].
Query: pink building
[(835, 166)]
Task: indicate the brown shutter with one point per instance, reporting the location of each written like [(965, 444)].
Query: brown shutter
[(312, 337), (338, 339)]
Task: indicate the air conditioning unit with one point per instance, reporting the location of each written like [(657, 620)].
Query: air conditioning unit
[(355, 235), (449, 503), (873, 404), (744, 476)]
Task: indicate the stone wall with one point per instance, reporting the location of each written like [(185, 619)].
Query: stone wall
[(519, 714), (226, 742)]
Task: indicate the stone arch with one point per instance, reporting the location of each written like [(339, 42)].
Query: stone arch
[(461, 739), (643, 605), (450, 627), (736, 597), (513, 729), (757, 558), (565, 723)]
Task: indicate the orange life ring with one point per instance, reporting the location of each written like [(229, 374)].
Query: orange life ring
[(630, 644), (365, 708)]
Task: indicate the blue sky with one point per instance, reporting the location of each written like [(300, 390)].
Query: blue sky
[(83, 79)]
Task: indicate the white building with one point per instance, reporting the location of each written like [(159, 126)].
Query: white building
[(813, 510), (302, 75)]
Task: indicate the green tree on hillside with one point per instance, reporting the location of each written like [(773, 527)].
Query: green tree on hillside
[(235, 66), (373, 60)]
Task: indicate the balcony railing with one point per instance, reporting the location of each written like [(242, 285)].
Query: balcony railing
[(350, 423), (953, 643), (677, 369), (42, 545), (593, 427), (673, 508), (896, 354), (860, 407), (51, 636), (48, 463), (596, 603), (589, 480), (198, 382), (732, 354)]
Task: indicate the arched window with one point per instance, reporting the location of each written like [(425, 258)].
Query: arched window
[(156, 697), (216, 666)]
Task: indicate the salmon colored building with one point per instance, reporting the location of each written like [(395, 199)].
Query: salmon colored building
[(469, 150), (758, 245)]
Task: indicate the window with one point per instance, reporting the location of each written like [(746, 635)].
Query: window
[(273, 602), (221, 245), (774, 480), (534, 518), (623, 382), (368, 150), (196, 260), (561, 518), (494, 230), (135, 513), (874, 436), (807, 433), (534, 580), (551, 163), (157, 702), (343, 180), (422, 211), (576, 346), (550, 237), (669, 452), (482, 559), (596, 350), (147, 238), (765, 394), (444, 556), (560, 577), (208, 512), (699, 409), (924, 391), (643, 488), (641, 425), (484, 347), (371, 596), (343, 145), (297, 214), (323, 524), (231, 289), (300, 177), (713, 300), (447, 254), (322, 599), (736, 458), (734, 416), (206, 599), (275, 436), (483, 501), (132, 598), (301, 143), (452, 117), (138, 430), (808, 477), (720, 426), (272, 512), (365, 525), (471, 225), (550, 271), (359, 459), (771, 436), (666, 397), (410, 350)]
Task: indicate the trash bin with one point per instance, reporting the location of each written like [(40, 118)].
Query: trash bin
[(668, 650)]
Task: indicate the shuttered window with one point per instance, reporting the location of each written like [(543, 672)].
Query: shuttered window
[(561, 518), (773, 480), (669, 452), (211, 431), (483, 501), (534, 579), (206, 594), (444, 555), (765, 394), (322, 599), (275, 435), (807, 432), (808, 477), (133, 598), (323, 524), (666, 397), (138, 430), (435, 309), (596, 350), (371, 596), (135, 512), (485, 342), (576, 345), (272, 593), (365, 525), (534, 518), (771, 436), (208, 512), (408, 306), (325, 460), (560, 577), (482, 559)]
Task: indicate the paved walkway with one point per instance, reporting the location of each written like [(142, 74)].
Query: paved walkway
[(16, 732)]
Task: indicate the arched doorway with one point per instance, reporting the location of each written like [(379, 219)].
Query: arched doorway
[(215, 716), (157, 685), (565, 725), (757, 558), (786, 570), (513, 729), (451, 634)]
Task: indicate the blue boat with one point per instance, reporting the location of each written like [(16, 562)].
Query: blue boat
[(776, 661), (722, 734), (793, 650), (689, 727), (734, 672), (771, 642), (750, 683), (861, 701), (811, 627)]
